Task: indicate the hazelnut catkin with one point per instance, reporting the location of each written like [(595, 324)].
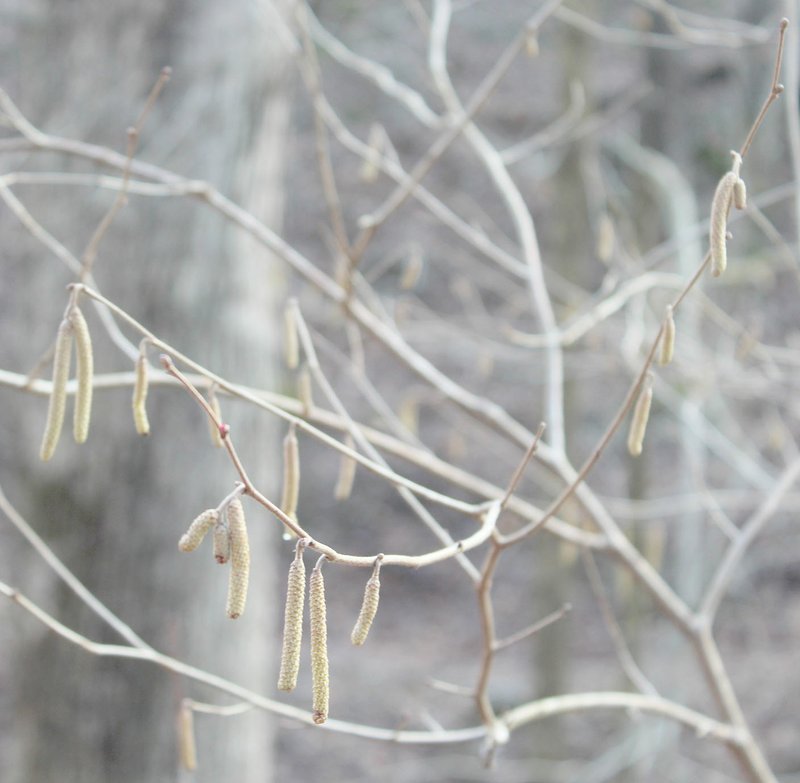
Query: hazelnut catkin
[(369, 608), (720, 206), (291, 473), (304, 391), (740, 194), (641, 413), (290, 343), (85, 370), (186, 740), (347, 474), (293, 622), (191, 539), (58, 396), (216, 438), (320, 684), (667, 338), (240, 559), (222, 543), (140, 385)]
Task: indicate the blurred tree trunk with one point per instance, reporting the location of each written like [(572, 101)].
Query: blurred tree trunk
[(115, 508)]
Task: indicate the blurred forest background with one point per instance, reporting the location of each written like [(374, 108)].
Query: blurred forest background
[(616, 127)]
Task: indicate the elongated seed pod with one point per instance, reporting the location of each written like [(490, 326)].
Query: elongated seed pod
[(291, 473), (85, 370), (293, 623), (641, 413), (191, 539), (667, 338), (720, 206), (186, 740), (347, 474), (304, 392), (216, 438), (320, 685), (740, 194), (58, 396), (290, 345), (140, 419), (240, 560), (369, 608), (222, 543)]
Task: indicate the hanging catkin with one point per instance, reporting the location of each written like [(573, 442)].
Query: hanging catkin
[(240, 560), (667, 338), (213, 401), (347, 474), (369, 608), (291, 473), (718, 228), (58, 395), (740, 194), (85, 370), (304, 391), (186, 740), (191, 539), (222, 543), (641, 413), (320, 685), (293, 623), (140, 385)]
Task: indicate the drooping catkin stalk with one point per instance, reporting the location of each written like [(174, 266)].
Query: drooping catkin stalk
[(641, 413), (58, 396), (290, 344), (197, 531), (186, 740), (85, 370), (667, 338), (291, 473), (213, 401), (347, 474), (222, 543), (293, 622), (320, 685), (240, 559), (718, 228), (140, 385), (369, 607)]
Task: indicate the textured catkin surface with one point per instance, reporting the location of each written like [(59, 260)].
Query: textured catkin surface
[(239, 561), (293, 625), (197, 531), (369, 608), (319, 647), (84, 371), (58, 396)]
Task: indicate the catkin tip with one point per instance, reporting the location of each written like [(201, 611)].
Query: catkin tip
[(58, 395), (239, 576), (197, 531)]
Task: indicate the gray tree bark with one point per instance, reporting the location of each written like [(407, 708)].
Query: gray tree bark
[(114, 508)]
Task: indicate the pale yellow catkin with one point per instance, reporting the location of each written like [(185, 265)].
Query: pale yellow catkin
[(320, 685), (140, 420), (216, 438), (293, 624), (304, 392), (290, 344), (641, 413), (222, 543), (718, 226), (85, 371), (186, 740), (58, 395), (240, 560), (347, 475), (740, 194), (369, 608), (291, 473), (197, 531), (667, 338)]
